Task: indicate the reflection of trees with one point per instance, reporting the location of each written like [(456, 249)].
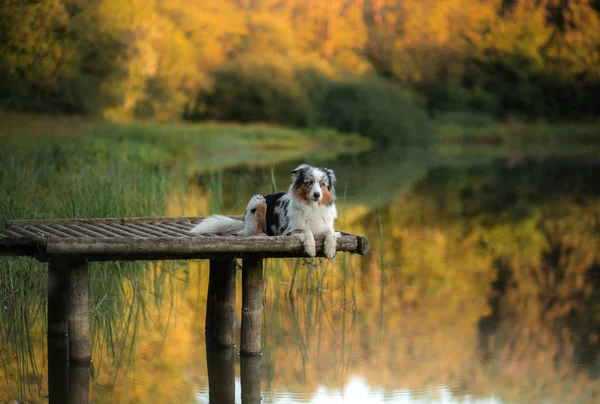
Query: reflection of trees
[(538, 224), (547, 322)]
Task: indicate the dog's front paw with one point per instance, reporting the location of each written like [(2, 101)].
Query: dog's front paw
[(308, 242), (310, 250), (329, 247), (330, 251)]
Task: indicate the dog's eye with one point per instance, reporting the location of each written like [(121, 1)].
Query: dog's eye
[(309, 182), (322, 185), (253, 211)]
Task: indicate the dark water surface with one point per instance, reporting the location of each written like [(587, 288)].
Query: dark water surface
[(482, 286)]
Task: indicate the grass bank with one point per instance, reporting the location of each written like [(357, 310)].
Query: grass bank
[(526, 134), (191, 147)]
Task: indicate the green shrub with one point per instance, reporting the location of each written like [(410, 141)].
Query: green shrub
[(270, 89), (443, 95), (375, 108), (316, 85), (255, 90)]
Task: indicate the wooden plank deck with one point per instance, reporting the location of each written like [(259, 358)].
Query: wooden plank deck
[(68, 245), (147, 239)]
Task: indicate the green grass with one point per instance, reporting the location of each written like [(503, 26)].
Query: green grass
[(200, 147), (57, 167)]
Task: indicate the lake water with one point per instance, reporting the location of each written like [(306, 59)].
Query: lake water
[(481, 286)]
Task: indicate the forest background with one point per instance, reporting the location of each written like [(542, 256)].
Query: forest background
[(378, 67)]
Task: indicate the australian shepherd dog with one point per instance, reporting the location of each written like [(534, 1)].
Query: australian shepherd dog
[(306, 210)]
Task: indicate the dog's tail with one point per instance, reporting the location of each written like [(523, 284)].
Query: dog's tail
[(217, 224), (252, 225)]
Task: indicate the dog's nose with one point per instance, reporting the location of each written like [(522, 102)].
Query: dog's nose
[(316, 194)]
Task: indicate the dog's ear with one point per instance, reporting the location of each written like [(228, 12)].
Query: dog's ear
[(331, 176), (296, 172)]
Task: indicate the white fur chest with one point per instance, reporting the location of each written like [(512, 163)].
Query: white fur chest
[(311, 216)]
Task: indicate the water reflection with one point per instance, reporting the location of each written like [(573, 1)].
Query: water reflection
[(222, 381), (67, 382), (481, 287), (58, 369)]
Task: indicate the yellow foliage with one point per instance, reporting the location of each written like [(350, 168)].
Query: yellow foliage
[(161, 53)]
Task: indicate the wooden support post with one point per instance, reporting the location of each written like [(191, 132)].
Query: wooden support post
[(250, 375), (79, 383), (79, 314), (221, 374), (58, 317), (58, 368), (224, 319), (252, 300), (211, 300)]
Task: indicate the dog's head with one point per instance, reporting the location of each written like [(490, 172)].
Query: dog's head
[(311, 184), (254, 218)]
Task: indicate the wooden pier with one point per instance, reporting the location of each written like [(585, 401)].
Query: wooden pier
[(68, 245)]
